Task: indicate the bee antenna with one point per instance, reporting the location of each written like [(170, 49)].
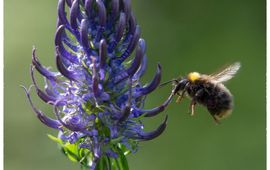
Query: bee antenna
[(167, 82)]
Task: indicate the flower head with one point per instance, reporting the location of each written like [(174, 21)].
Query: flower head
[(96, 94)]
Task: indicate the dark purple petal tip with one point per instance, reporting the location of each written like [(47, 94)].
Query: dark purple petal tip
[(102, 53), (62, 69), (45, 97), (120, 27), (58, 35), (127, 7), (155, 133), (136, 62), (132, 23), (41, 69), (69, 2), (133, 43), (74, 11), (88, 6), (115, 8), (154, 83), (101, 12), (84, 35), (95, 79), (61, 12), (159, 109)]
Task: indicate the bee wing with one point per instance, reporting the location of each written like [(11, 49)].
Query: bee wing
[(227, 73)]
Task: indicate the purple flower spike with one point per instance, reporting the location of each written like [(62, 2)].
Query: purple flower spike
[(96, 93)]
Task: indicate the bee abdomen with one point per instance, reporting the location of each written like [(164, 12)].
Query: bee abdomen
[(222, 103)]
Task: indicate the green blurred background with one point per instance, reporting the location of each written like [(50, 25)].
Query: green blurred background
[(184, 36)]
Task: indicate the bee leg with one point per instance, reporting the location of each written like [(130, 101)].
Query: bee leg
[(193, 102), (179, 98), (215, 119), (192, 107)]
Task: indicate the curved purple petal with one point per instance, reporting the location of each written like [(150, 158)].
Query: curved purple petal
[(133, 68), (115, 8), (70, 43), (127, 8), (153, 85), (102, 53), (132, 23), (119, 31), (136, 112), (136, 62), (62, 13), (127, 110), (74, 12), (69, 2), (95, 79), (151, 135), (120, 27), (62, 69), (43, 71), (46, 98), (61, 49), (84, 36), (134, 40), (101, 13), (88, 7), (142, 68), (43, 118)]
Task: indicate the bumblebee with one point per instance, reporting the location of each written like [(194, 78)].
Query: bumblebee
[(207, 90)]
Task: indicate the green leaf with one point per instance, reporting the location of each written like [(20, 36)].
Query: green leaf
[(73, 157), (124, 149), (122, 160), (89, 108), (72, 148), (55, 139)]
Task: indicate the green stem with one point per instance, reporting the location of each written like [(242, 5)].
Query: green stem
[(109, 163), (84, 167)]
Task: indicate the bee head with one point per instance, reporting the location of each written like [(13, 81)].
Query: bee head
[(181, 85), (193, 76), (178, 84)]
